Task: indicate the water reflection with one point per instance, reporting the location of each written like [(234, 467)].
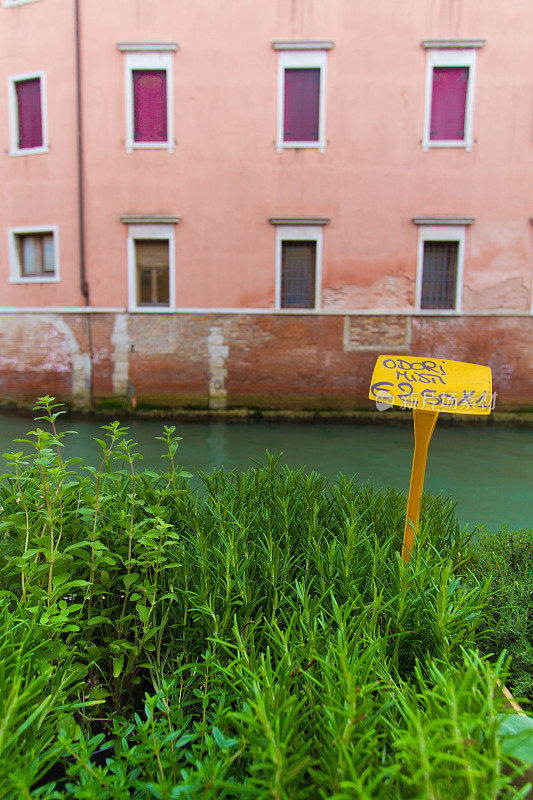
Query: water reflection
[(217, 444), (488, 470)]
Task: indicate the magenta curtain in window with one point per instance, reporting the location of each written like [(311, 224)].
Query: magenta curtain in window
[(448, 103), (150, 105), (302, 93), (29, 113)]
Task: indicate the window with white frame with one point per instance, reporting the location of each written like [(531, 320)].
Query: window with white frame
[(449, 100), (27, 114), (149, 95), (298, 264), (441, 248), (33, 254), (301, 94), (150, 252)]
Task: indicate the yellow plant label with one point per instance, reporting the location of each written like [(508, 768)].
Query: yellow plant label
[(433, 384)]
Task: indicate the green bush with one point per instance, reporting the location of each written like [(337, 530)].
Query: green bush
[(508, 557), (259, 638), (37, 684)]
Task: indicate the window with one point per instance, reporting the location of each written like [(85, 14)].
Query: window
[(439, 275), (33, 255), (151, 261), (151, 243), (450, 76), (149, 105), (301, 105), (298, 274), (28, 117), (301, 94), (441, 245), (149, 90), (298, 261), (448, 103)]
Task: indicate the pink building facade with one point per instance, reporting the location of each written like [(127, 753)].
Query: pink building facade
[(211, 205)]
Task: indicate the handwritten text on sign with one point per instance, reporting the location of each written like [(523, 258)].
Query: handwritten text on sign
[(432, 383)]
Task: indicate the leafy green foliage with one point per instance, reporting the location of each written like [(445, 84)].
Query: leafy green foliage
[(259, 638), (37, 682), (508, 557), (516, 733)]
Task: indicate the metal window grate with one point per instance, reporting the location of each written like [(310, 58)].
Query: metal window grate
[(439, 279), (298, 274)]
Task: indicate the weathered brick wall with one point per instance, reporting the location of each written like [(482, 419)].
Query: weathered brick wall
[(219, 361)]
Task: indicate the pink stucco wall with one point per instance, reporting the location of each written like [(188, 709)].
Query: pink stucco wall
[(225, 178)]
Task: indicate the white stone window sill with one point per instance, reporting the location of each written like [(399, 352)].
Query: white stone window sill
[(12, 3), (320, 146), (30, 151), (36, 279), (441, 312), (151, 310), (447, 143), (150, 146)]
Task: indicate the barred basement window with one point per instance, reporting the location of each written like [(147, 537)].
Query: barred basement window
[(298, 274), (152, 265), (439, 277)]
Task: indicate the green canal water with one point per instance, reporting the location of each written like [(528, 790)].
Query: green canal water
[(487, 470)]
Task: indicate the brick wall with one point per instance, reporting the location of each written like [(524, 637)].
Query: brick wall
[(276, 361)]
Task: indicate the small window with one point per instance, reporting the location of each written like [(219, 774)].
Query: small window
[(298, 261), (441, 254), (28, 125), (302, 101), (152, 266), (302, 98), (448, 103), (298, 274), (449, 98), (34, 255), (149, 95), (150, 105), (439, 276)]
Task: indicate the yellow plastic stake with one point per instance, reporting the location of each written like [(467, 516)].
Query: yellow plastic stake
[(424, 422), (428, 385)]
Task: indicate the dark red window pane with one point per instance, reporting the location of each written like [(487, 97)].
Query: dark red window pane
[(29, 113), (448, 103), (439, 278), (302, 95), (298, 274), (150, 105)]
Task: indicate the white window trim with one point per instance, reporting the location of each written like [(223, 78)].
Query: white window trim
[(299, 233), (441, 233), (303, 59), (155, 231), (15, 267), (450, 58), (151, 60), (13, 115), (10, 3)]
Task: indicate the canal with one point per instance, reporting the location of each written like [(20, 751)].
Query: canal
[(487, 470)]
